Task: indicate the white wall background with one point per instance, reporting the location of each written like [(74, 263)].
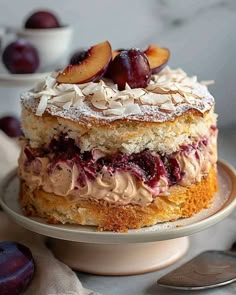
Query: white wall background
[(200, 34)]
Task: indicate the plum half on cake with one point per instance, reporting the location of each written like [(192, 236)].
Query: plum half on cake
[(124, 151)]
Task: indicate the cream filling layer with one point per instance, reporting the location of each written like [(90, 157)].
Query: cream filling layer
[(120, 188)]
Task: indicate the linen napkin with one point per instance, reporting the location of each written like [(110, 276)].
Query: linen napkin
[(52, 277)]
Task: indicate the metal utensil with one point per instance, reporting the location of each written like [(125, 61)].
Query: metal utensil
[(209, 269)]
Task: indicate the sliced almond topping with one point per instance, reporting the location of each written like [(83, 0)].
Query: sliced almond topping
[(50, 82), (78, 91), (207, 82), (127, 87), (67, 105), (89, 89), (63, 98), (168, 107), (42, 105), (177, 98), (135, 93), (101, 105), (154, 99), (115, 104), (117, 112), (128, 101), (132, 109)]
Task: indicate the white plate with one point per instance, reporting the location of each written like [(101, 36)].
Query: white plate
[(8, 79), (14, 80), (223, 204)]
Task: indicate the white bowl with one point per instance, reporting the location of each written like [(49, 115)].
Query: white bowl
[(52, 44)]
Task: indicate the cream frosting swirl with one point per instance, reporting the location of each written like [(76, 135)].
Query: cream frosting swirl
[(121, 188)]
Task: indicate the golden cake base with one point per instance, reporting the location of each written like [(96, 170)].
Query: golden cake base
[(181, 202)]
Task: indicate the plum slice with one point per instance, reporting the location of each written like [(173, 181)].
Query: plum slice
[(157, 57), (91, 68)]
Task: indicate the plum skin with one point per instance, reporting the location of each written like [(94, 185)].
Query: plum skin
[(78, 57), (17, 268), (11, 126), (42, 20), (132, 67), (20, 57)]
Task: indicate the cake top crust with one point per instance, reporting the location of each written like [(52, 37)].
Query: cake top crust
[(168, 95)]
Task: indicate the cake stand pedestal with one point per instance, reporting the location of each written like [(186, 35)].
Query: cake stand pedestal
[(138, 251), (119, 259)]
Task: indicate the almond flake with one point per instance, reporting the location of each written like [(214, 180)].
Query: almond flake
[(127, 87), (64, 87), (101, 105), (128, 101), (184, 89), (117, 112), (63, 98), (78, 91), (89, 89), (154, 99), (77, 102), (177, 98), (50, 82), (42, 105), (207, 82), (67, 105), (135, 93), (115, 104), (167, 107), (132, 109), (109, 92)]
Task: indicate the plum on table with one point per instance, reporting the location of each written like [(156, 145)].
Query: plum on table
[(16, 268)]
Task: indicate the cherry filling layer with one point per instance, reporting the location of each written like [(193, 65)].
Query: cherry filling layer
[(157, 172)]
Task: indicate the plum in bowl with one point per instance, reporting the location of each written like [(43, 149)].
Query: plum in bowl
[(51, 38)]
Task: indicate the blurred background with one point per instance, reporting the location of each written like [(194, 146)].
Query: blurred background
[(200, 35)]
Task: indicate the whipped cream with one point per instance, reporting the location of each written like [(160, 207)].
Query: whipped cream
[(169, 94), (197, 163), (120, 188)]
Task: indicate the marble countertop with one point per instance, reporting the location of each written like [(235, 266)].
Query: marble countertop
[(220, 236)]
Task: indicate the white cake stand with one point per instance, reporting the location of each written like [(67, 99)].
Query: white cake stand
[(138, 251)]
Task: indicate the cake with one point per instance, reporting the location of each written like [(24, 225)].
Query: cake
[(114, 149)]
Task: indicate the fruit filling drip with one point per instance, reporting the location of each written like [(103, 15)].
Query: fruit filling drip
[(150, 171)]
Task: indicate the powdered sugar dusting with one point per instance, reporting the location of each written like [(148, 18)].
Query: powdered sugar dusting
[(168, 95)]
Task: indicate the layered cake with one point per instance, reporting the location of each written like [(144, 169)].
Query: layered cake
[(118, 141)]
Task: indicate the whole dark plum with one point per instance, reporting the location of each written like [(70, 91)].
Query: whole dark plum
[(11, 126), (20, 57), (132, 67), (16, 268), (42, 20)]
